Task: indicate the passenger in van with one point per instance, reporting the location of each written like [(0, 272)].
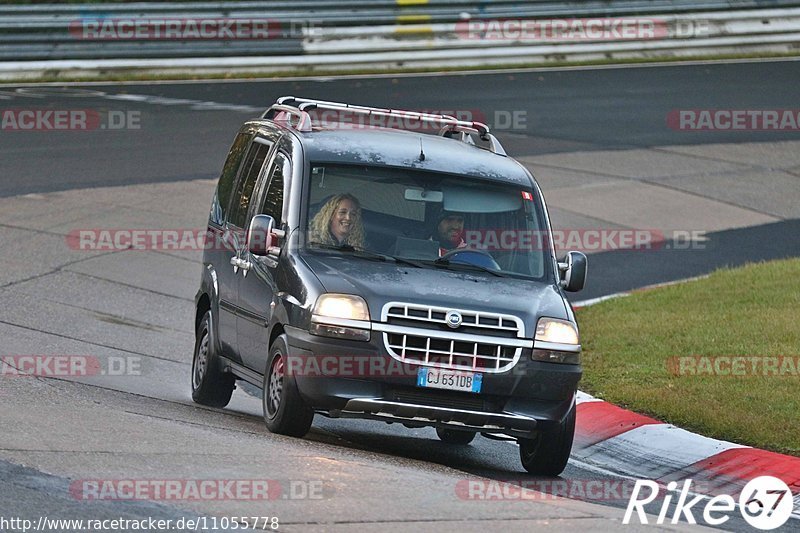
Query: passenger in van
[(449, 231), (339, 223)]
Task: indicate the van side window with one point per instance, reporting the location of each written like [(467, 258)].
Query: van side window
[(219, 206), (247, 182), (272, 204)]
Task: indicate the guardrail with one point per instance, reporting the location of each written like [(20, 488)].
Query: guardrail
[(329, 34)]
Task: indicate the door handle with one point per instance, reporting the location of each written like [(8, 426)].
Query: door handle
[(238, 263), (245, 266)]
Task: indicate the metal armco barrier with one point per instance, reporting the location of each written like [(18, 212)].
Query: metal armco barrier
[(329, 34)]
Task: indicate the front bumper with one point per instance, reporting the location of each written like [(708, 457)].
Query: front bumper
[(531, 396), (426, 415)]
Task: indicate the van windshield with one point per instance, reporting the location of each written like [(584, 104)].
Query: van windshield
[(427, 219)]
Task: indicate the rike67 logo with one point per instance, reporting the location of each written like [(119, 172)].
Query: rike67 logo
[(765, 503)]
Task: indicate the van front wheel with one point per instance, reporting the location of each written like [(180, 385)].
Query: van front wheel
[(285, 412), (547, 453)]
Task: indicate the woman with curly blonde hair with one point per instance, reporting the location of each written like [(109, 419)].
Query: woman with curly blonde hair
[(339, 223)]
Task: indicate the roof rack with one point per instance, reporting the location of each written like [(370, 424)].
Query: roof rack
[(275, 110), (290, 106)]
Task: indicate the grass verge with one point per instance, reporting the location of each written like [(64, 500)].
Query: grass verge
[(632, 345)]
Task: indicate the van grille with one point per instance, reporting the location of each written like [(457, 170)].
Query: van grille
[(423, 338)]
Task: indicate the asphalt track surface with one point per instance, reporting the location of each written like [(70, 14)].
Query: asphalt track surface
[(564, 110), (567, 111)]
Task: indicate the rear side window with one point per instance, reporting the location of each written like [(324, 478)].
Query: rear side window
[(273, 199), (219, 207), (247, 182)]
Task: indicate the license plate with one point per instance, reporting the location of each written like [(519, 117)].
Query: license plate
[(439, 378)]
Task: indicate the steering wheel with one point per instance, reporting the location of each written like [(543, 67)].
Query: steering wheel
[(471, 256)]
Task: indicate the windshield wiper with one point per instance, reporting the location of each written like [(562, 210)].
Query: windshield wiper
[(447, 263)]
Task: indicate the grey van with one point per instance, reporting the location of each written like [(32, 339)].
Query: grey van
[(400, 271)]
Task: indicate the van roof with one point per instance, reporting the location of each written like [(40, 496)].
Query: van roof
[(401, 148)]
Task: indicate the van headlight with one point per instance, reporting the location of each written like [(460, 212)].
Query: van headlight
[(555, 330), (556, 341), (344, 316)]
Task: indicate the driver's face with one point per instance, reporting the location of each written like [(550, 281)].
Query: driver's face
[(451, 228), (344, 218)]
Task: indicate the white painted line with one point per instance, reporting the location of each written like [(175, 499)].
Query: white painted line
[(592, 301), (670, 283)]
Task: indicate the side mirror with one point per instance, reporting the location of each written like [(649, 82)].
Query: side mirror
[(573, 271), (260, 235)]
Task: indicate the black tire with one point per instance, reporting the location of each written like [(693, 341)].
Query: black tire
[(209, 386), (285, 412), (547, 454), (454, 436)]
